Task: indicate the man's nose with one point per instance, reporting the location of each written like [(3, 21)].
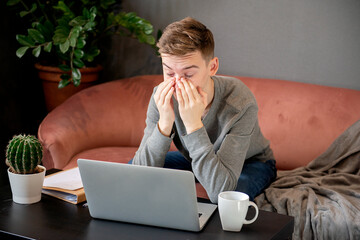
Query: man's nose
[(178, 77)]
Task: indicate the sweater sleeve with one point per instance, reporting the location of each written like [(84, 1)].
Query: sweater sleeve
[(154, 145), (219, 171)]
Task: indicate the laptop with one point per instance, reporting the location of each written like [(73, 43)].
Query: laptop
[(143, 195)]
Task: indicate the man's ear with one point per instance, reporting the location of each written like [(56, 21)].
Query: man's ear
[(213, 66)]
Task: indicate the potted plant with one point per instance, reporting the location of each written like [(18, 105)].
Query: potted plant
[(23, 156), (67, 36)]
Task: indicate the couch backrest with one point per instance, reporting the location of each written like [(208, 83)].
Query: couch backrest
[(300, 120), (105, 115)]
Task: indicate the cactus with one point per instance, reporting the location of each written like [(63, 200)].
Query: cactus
[(23, 154)]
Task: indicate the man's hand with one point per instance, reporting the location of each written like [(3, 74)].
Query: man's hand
[(192, 104), (162, 99)]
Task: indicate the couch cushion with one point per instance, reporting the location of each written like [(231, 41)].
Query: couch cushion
[(120, 155)]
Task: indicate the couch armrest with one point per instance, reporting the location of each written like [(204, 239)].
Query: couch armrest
[(108, 114)]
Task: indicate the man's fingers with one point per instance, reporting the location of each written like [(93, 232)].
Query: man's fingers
[(189, 90), (162, 91), (179, 97), (202, 94), (169, 95), (184, 93)]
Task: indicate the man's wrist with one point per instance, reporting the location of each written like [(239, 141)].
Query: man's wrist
[(166, 131), (193, 127)]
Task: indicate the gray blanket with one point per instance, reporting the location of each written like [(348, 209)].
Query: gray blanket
[(324, 196)]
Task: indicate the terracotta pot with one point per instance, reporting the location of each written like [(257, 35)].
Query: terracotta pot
[(50, 77)]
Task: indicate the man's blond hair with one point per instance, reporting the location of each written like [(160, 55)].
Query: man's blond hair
[(186, 36)]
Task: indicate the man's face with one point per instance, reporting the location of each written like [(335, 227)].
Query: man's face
[(191, 67)]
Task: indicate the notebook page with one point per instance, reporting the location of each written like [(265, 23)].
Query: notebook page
[(68, 179)]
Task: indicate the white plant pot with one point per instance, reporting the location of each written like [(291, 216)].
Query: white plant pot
[(26, 188)]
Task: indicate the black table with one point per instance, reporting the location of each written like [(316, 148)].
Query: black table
[(55, 219)]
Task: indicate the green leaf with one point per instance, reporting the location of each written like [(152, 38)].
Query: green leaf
[(24, 40), (35, 24), (64, 47), (49, 26), (76, 29), (75, 73), (12, 2), (76, 76), (78, 63), (64, 21), (58, 39), (131, 16), (62, 30), (64, 8), (72, 41), (105, 4), (61, 34), (88, 26), (62, 56), (23, 13), (65, 68), (86, 13), (36, 51), (110, 19), (78, 53), (48, 46), (148, 28), (36, 35), (74, 34), (93, 12), (91, 54), (81, 42), (142, 38), (21, 51), (159, 34), (76, 82), (33, 8), (150, 40), (78, 21), (65, 80), (45, 30)]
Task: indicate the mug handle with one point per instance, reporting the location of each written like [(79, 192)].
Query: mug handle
[(256, 213)]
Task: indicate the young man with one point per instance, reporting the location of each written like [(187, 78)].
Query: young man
[(211, 119)]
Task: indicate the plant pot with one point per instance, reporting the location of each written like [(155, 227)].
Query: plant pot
[(26, 188), (50, 77)]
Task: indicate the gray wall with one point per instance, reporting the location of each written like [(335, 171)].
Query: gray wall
[(312, 41)]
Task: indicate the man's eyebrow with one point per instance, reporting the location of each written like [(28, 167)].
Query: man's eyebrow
[(192, 66), (167, 66), (185, 68)]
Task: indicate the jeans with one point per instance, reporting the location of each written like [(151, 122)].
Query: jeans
[(255, 176)]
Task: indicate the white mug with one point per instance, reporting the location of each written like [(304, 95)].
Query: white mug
[(233, 207)]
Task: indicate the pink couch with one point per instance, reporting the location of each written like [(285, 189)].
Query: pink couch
[(106, 122)]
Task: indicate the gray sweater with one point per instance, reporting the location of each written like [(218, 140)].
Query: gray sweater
[(217, 151)]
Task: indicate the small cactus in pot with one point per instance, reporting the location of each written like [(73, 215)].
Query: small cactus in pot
[(23, 154)]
